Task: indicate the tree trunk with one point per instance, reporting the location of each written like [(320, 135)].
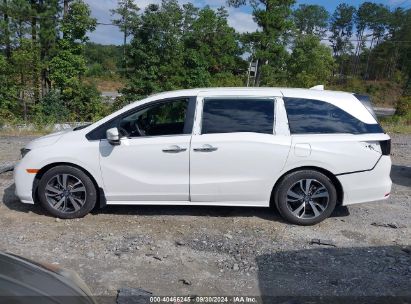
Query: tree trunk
[(22, 97), (6, 31), (357, 53), (46, 43), (125, 49), (368, 60), (125, 20), (65, 12), (65, 8), (393, 62), (36, 84), (407, 87)]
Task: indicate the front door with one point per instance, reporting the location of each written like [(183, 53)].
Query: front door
[(152, 161)]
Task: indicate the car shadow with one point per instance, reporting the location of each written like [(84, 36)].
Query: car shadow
[(401, 175), (335, 275), (210, 211), (11, 201)]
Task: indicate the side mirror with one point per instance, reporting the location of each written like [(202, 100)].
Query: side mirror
[(113, 136)]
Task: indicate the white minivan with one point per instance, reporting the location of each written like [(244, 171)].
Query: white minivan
[(303, 151)]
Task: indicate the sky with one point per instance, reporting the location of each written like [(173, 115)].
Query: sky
[(239, 18)]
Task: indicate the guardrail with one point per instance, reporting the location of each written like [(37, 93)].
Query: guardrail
[(54, 127), (381, 112)]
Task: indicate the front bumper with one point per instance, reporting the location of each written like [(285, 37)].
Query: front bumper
[(367, 186), (24, 183)]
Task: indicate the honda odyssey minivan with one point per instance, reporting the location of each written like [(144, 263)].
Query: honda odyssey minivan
[(302, 151)]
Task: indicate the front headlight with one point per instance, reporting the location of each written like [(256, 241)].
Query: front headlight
[(24, 151)]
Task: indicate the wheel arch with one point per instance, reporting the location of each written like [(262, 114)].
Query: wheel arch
[(101, 199), (330, 175)]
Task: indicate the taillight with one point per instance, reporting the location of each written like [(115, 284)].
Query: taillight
[(385, 147)]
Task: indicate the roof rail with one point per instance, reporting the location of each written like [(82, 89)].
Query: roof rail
[(318, 87)]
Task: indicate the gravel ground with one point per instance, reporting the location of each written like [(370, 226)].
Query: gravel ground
[(221, 251)]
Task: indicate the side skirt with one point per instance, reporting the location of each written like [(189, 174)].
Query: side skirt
[(188, 203)]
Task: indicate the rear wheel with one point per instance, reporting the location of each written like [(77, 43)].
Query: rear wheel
[(67, 192), (306, 197)]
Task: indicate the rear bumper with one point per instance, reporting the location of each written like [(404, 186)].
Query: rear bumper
[(367, 186)]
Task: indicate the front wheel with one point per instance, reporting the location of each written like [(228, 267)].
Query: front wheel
[(306, 197), (67, 192)]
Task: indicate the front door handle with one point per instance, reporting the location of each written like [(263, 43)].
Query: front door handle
[(174, 149), (206, 148)]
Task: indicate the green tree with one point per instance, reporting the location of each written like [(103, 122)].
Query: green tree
[(77, 22), (69, 63), (48, 33), (21, 58), (404, 61), (103, 60), (212, 48), (52, 109), (395, 23), (311, 19), (128, 12), (341, 27), (156, 53), (37, 58), (84, 103), (311, 63), (181, 47), (269, 45), (362, 21), (378, 24), (5, 27), (8, 91)]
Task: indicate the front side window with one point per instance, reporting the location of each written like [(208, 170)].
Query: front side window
[(166, 118), (227, 115)]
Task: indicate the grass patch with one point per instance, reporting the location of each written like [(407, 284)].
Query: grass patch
[(104, 84), (382, 93), (22, 132), (401, 121), (25, 130), (396, 124)]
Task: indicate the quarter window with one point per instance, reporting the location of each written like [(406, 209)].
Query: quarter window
[(309, 116), (238, 115)]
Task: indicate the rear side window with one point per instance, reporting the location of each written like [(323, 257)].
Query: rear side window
[(238, 115), (309, 116)]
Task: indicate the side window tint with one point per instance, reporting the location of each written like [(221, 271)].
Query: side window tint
[(161, 119), (309, 116), (238, 115)]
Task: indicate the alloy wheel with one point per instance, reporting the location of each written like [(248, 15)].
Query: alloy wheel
[(65, 193), (307, 198)]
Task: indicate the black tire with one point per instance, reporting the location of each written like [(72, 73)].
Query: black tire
[(292, 180), (90, 193)]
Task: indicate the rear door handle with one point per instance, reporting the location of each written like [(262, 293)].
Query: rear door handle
[(174, 149), (206, 148)]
